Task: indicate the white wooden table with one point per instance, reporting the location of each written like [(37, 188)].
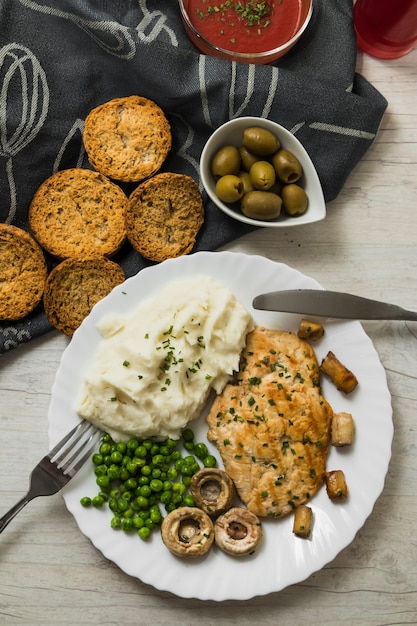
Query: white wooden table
[(51, 574)]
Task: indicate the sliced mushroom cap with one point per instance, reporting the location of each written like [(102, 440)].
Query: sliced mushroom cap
[(238, 532), (213, 490), (187, 531)]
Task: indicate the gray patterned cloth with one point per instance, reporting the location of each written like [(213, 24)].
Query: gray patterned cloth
[(61, 58)]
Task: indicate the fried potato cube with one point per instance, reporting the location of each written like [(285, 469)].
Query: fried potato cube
[(336, 486), (312, 331), (303, 518), (343, 429), (338, 373)]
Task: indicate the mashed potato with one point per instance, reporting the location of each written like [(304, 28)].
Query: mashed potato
[(153, 370)]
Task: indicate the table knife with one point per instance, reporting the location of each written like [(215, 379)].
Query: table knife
[(334, 304)]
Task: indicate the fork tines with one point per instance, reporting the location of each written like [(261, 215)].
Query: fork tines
[(73, 450)]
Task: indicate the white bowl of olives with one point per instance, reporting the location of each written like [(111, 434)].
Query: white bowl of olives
[(257, 172)]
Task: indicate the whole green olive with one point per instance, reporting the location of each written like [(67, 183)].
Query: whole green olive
[(261, 205), (229, 188), (294, 199), (247, 158), (226, 161), (246, 180), (262, 175), (287, 166), (260, 141)]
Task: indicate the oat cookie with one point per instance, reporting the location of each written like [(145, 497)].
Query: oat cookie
[(75, 286), (164, 216), (22, 273), (78, 212), (127, 139)]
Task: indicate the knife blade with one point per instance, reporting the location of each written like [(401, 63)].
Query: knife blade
[(335, 304)]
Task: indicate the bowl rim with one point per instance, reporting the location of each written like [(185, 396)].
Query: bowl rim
[(289, 221), (244, 56)]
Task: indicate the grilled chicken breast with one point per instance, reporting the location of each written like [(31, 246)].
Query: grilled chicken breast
[(272, 428)]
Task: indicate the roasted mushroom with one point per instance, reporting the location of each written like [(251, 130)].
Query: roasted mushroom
[(343, 429), (187, 531), (213, 490), (336, 486), (238, 531), (338, 373), (303, 518), (308, 330)]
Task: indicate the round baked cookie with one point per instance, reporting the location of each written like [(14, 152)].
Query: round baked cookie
[(74, 286), (78, 212), (22, 273), (127, 139), (164, 216)]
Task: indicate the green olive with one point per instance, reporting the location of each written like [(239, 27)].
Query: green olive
[(287, 166), (260, 141), (294, 199), (246, 180), (226, 161), (229, 188), (261, 205), (247, 158), (262, 175)]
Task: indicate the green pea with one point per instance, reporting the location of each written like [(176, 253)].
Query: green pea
[(172, 474), (144, 533), (158, 460), (124, 474), (97, 501), (115, 522), (141, 452), (97, 459), (126, 524), (113, 504), (156, 485), (103, 482), (142, 501), (121, 447), (123, 504), (210, 461), (131, 483), (116, 456), (132, 445), (145, 490), (100, 470), (189, 445), (189, 500), (113, 472), (138, 522), (187, 434), (105, 448), (200, 450), (166, 497), (85, 501)]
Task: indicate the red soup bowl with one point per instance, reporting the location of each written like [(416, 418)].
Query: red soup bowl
[(250, 32)]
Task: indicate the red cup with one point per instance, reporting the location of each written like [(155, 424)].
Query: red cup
[(386, 29)]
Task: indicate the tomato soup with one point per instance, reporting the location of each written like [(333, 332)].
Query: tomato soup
[(246, 26)]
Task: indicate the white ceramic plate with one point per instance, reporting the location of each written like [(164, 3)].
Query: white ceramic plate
[(282, 559)]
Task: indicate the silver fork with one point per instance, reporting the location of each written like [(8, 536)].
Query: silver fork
[(58, 466)]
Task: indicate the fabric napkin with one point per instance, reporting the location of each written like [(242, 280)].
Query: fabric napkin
[(61, 58)]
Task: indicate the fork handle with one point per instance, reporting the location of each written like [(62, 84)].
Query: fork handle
[(13, 512)]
